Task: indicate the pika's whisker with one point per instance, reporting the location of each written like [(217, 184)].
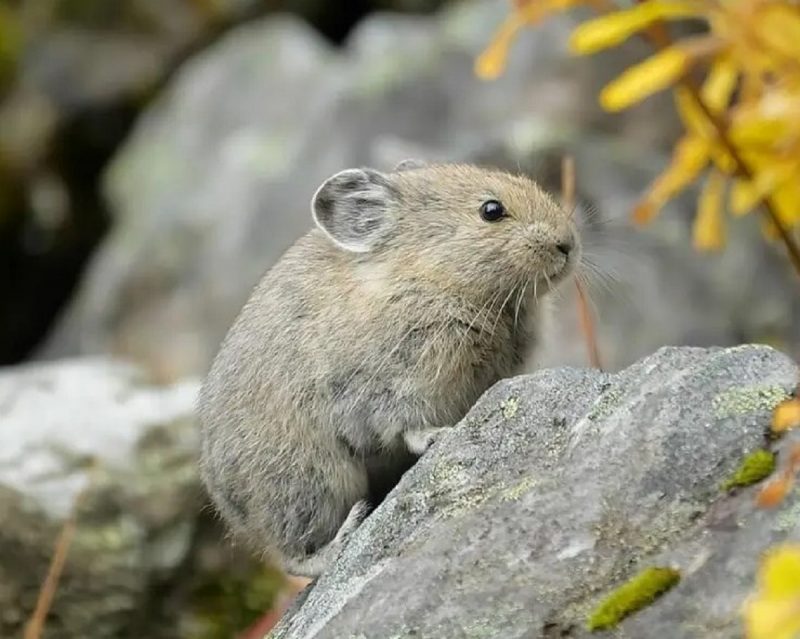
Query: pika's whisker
[(520, 297)]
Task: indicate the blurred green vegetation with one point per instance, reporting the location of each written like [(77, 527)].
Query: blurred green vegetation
[(10, 46), (228, 604)]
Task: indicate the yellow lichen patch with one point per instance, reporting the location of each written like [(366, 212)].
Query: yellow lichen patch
[(753, 468), (742, 401), (633, 595), (514, 492), (509, 407), (774, 611)]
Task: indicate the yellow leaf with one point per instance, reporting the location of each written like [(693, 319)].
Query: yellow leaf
[(771, 619), (747, 194), (781, 22), (752, 88), (744, 196), (696, 121), (692, 116), (709, 228), (759, 131), (773, 493), (492, 62), (780, 572), (614, 28), (786, 200), (720, 83), (774, 611), (642, 80), (786, 416), (689, 158)]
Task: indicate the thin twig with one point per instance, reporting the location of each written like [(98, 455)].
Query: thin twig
[(587, 324), (587, 327), (47, 591)]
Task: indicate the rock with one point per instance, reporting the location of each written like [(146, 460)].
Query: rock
[(73, 75), (96, 441), (557, 488), (218, 206)]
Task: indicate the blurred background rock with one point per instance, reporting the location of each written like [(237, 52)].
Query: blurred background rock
[(156, 156)]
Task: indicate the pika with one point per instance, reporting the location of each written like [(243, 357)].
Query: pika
[(416, 291)]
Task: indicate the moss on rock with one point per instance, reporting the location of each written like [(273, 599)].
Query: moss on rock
[(635, 594), (752, 469)]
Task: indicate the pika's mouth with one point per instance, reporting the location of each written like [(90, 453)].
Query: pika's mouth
[(558, 270)]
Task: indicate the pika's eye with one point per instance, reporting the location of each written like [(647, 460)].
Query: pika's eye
[(492, 211)]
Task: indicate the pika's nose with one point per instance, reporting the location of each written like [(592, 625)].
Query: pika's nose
[(564, 247)]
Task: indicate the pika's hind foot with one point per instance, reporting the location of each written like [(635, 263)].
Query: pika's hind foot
[(418, 441), (314, 565)]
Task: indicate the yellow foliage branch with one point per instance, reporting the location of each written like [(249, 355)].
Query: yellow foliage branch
[(748, 141)]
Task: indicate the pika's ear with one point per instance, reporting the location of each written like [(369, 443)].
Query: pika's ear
[(354, 208), (408, 165)]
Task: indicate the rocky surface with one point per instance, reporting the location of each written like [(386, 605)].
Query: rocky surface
[(97, 441), (73, 75), (558, 487)]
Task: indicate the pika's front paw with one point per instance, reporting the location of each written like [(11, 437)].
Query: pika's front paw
[(358, 513), (418, 441)]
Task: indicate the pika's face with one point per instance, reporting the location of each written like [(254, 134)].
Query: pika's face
[(458, 227)]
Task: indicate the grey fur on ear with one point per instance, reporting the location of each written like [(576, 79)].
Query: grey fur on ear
[(354, 208), (408, 165)]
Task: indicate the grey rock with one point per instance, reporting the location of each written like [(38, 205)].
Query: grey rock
[(205, 198), (556, 488), (95, 440)]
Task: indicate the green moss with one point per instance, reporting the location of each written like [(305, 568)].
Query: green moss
[(753, 468), (743, 401), (633, 595)]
